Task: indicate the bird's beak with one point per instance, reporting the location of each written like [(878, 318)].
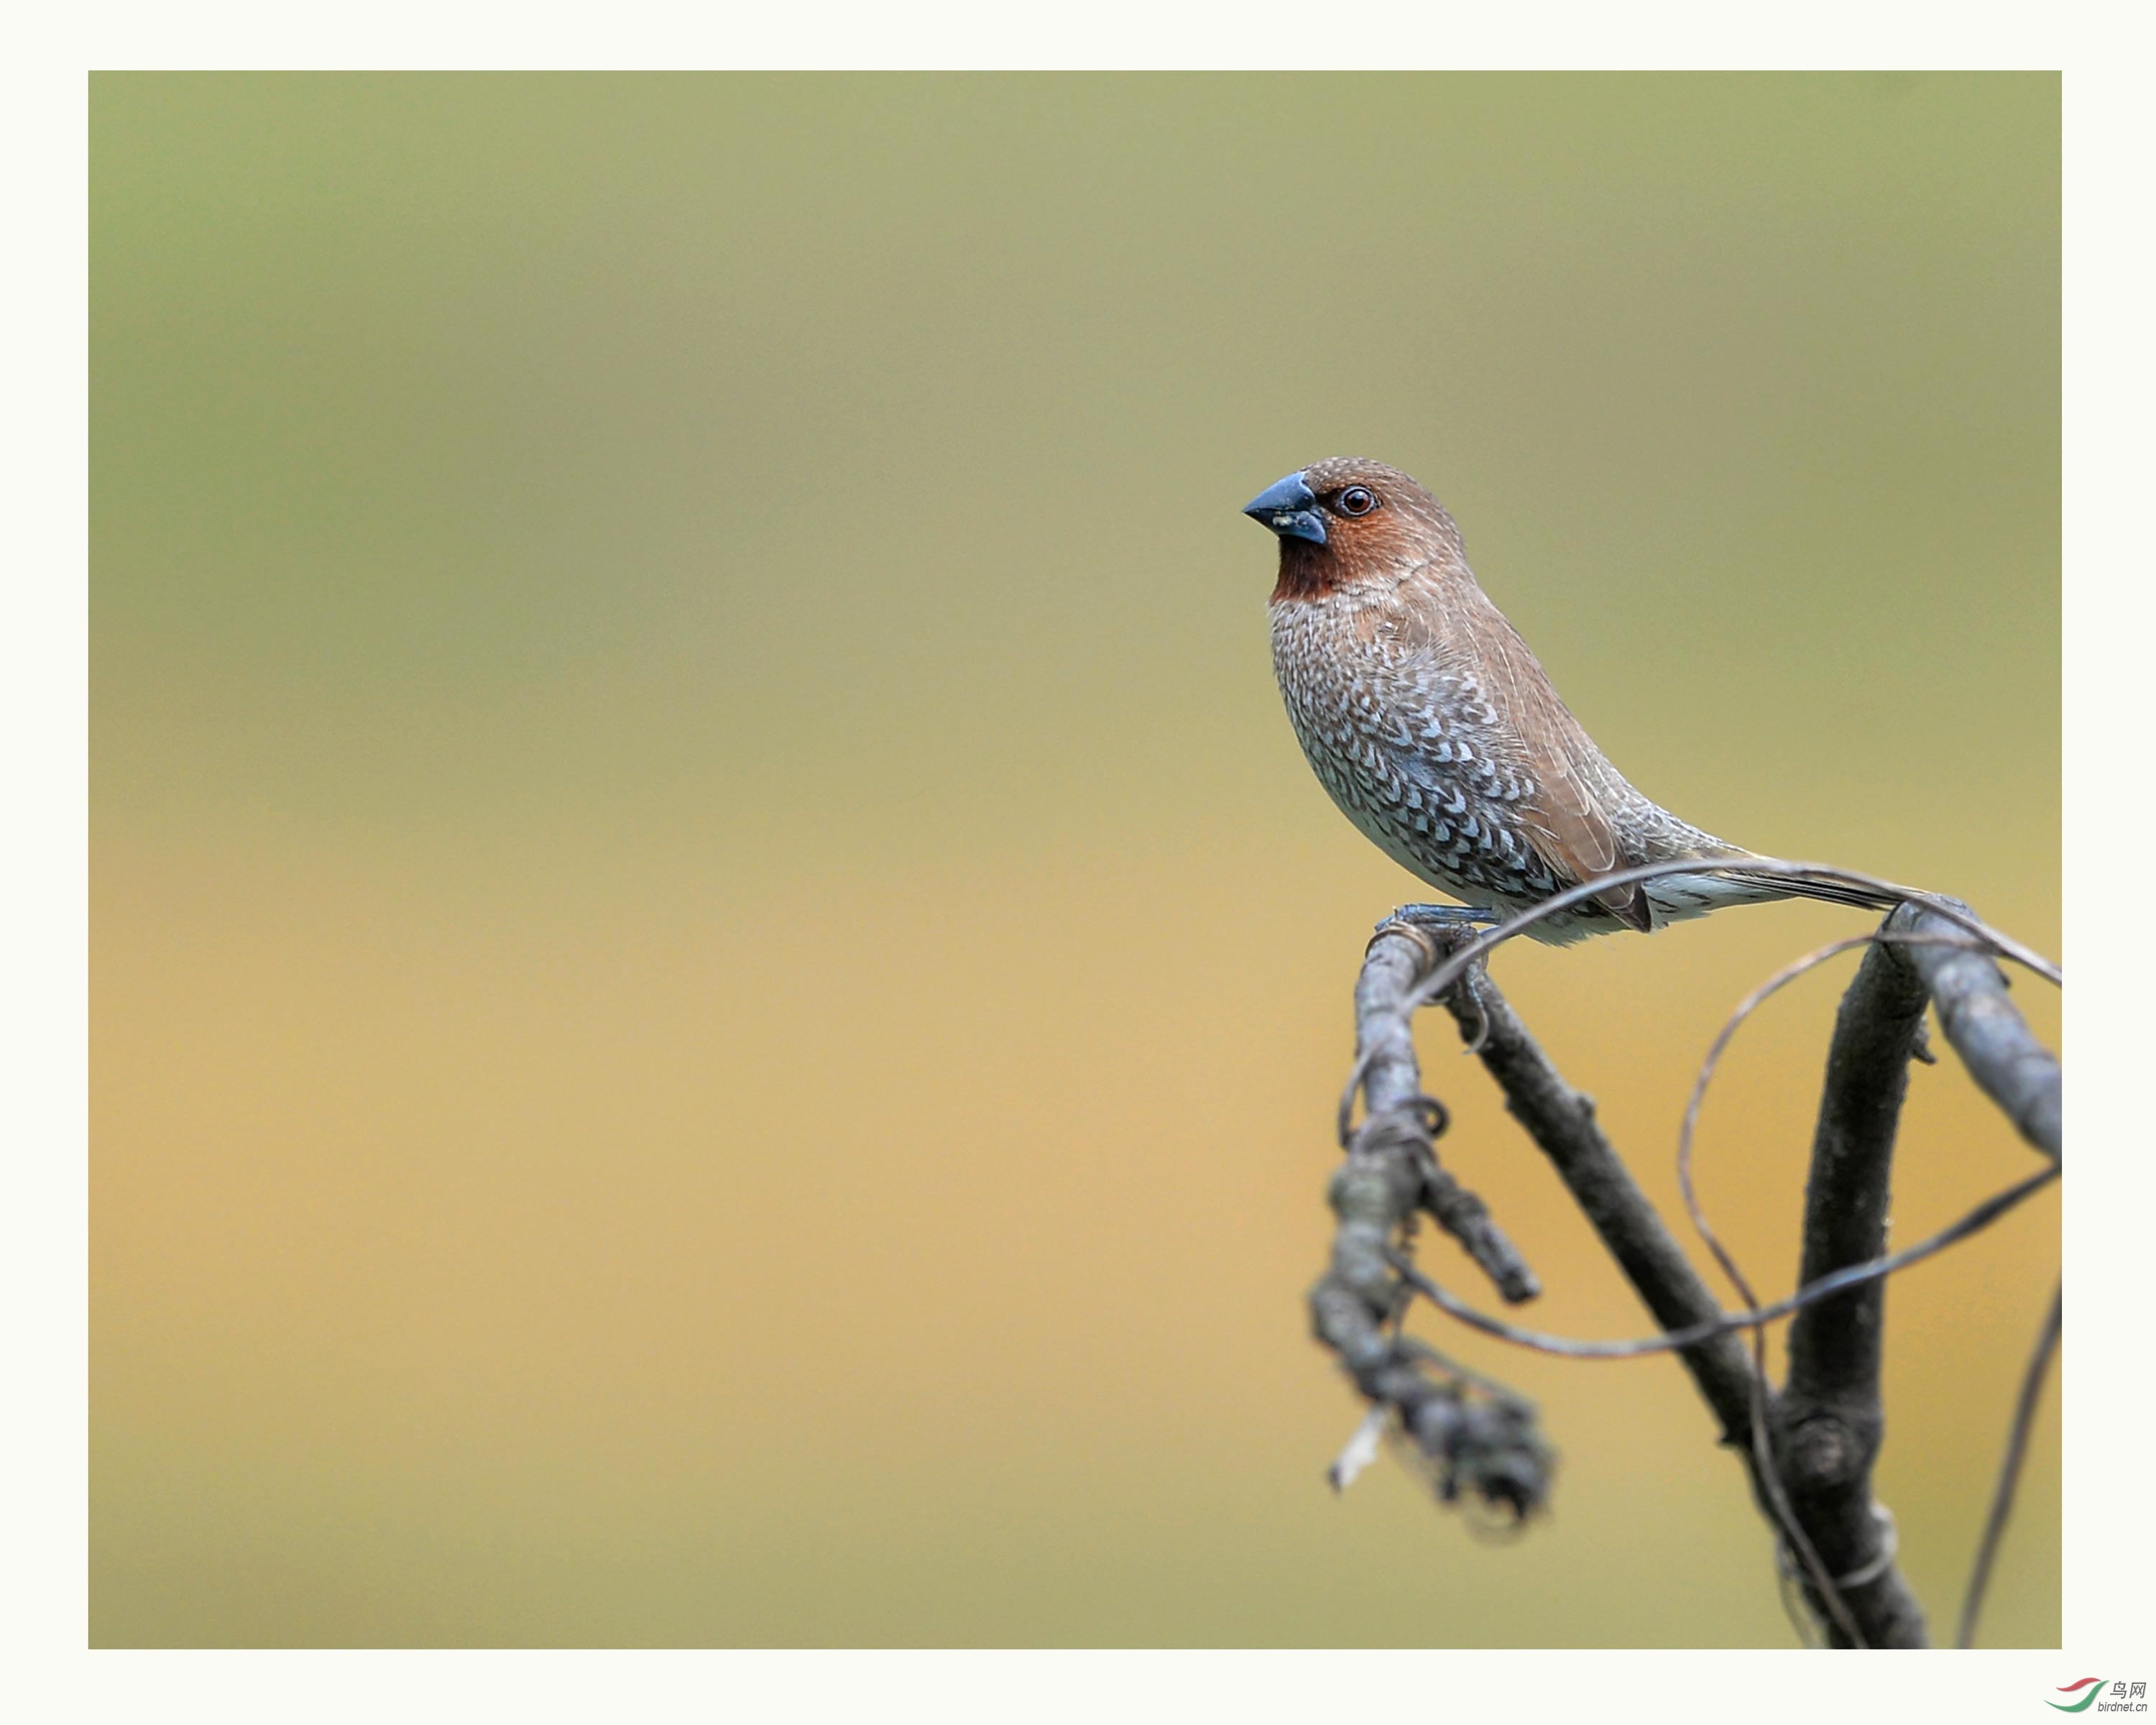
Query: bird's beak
[(1288, 509)]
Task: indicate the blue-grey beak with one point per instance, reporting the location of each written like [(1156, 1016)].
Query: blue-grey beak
[(1289, 509)]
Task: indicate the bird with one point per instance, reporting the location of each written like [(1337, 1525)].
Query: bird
[(1439, 736)]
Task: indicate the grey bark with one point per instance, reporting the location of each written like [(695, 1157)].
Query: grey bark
[(1823, 1430), (1995, 1042), (1391, 1088), (1560, 1121), (1828, 1422), (1478, 1440)]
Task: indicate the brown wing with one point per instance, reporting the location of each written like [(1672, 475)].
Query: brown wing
[(1567, 821)]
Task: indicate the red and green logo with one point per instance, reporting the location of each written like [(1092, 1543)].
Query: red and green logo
[(2093, 1684)]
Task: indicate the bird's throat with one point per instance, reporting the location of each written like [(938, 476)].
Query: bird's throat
[(1306, 571)]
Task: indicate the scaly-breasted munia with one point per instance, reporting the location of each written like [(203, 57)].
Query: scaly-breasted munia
[(1438, 733)]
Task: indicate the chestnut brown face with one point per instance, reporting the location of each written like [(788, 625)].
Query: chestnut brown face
[(1348, 519)]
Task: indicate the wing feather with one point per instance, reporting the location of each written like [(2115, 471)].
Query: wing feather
[(1565, 817)]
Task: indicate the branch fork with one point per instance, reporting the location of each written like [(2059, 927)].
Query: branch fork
[(1809, 1444)]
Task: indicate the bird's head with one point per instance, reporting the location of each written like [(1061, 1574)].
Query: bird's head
[(1347, 520)]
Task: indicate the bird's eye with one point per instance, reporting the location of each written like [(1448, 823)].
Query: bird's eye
[(1357, 499)]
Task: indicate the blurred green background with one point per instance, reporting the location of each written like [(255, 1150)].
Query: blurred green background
[(718, 985)]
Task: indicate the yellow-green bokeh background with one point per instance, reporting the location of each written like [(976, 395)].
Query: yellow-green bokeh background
[(718, 987)]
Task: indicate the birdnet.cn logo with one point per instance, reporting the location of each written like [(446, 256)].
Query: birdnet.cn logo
[(2089, 1693)]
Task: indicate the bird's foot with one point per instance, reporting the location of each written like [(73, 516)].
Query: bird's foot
[(1445, 917), (1459, 917)]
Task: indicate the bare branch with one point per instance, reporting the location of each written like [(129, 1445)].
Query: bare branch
[(1476, 1443), (1560, 1121), (1478, 1439), (2009, 1468), (1391, 1079), (1829, 1421), (2009, 1064), (1728, 1323), (1809, 1450)]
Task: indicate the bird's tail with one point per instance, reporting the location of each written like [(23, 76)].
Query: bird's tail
[(1676, 898), (1824, 888)]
